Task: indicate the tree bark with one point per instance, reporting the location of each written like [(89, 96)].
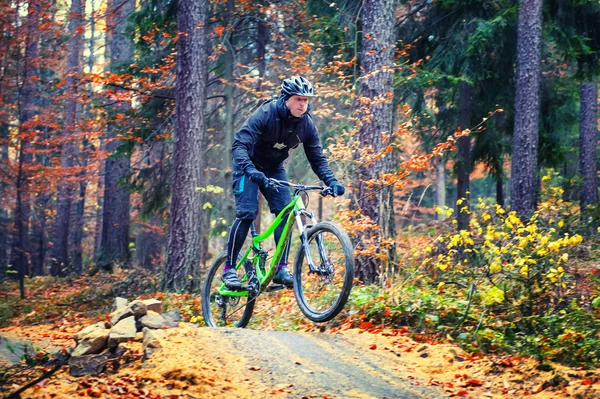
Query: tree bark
[(83, 161), (374, 115), (499, 188), (527, 106), (151, 239), (4, 209), (38, 232), (79, 212), (100, 204), (463, 159), (570, 171), (114, 241), (183, 249), (228, 59), (61, 264), (588, 144), (149, 244), (19, 256), (440, 187)]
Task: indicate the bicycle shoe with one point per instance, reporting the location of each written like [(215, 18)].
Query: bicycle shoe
[(231, 279), (283, 276)]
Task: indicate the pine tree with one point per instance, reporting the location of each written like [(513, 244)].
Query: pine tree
[(114, 242), (374, 111), (527, 108), (61, 262), (183, 248)]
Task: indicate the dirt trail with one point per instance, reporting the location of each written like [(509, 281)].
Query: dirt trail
[(197, 362), (216, 363), (332, 365)]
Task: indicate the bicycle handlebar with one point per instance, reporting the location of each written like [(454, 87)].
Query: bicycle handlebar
[(325, 191)]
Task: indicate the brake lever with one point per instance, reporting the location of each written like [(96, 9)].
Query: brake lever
[(273, 184), (327, 191)]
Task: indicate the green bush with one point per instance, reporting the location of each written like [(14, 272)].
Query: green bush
[(503, 285)]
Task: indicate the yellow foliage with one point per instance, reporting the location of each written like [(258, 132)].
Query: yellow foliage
[(494, 295)]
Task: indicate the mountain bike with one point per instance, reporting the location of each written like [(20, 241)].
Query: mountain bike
[(323, 267)]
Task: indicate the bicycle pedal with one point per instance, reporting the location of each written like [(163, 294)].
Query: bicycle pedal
[(236, 288), (276, 287)]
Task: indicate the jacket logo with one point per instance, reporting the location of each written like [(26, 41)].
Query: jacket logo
[(280, 146)]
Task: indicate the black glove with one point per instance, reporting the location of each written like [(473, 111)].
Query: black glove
[(259, 178), (337, 189)]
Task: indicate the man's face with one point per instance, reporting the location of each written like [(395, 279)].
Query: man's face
[(297, 105)]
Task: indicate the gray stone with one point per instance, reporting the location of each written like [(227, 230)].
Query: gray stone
[(152, 321), (153, 304), (173, 317), (155, 321), (92, 364), (152, 341), (119, 303), (138, 308), (92, 343), (123, 331), (87, 364), (85, 331), (13, 349), (152, 338), (119, 315)]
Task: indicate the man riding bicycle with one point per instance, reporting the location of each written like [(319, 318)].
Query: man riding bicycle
[(259, 149)]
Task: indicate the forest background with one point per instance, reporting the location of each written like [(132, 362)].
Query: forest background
[(466, 132)]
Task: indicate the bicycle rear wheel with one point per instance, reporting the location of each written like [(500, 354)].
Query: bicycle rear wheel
[(322, 293), (219, 310)]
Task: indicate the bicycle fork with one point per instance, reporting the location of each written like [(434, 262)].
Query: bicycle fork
[(320, 271)]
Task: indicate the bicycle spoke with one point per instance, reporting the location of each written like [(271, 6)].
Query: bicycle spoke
[(322, 289), (224, 311)]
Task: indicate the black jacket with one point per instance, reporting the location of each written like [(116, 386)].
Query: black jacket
[(264, 141)]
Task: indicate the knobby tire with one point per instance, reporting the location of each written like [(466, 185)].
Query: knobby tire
[(312, 291), (212, 283)]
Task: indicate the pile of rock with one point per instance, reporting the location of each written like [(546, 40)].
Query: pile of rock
[(98, 344)]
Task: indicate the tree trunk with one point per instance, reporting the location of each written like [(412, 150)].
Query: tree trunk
[(440, 187), (100, 204), (499, 188), (61, 263), (527, 108), (4, 210), (83, 161), (114, 242), (570, 170), (463, 159), (374, 115), (229, 211), (38, 233), (19, 256), (588, 144), (39, 227), (79, 212), (183, 249), (149, 244), (151, 238)]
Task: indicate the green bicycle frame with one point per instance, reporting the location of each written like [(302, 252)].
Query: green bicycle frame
[(289, 213)]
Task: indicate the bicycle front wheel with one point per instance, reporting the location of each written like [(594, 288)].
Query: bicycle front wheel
[(220, 310), (323, 272)]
